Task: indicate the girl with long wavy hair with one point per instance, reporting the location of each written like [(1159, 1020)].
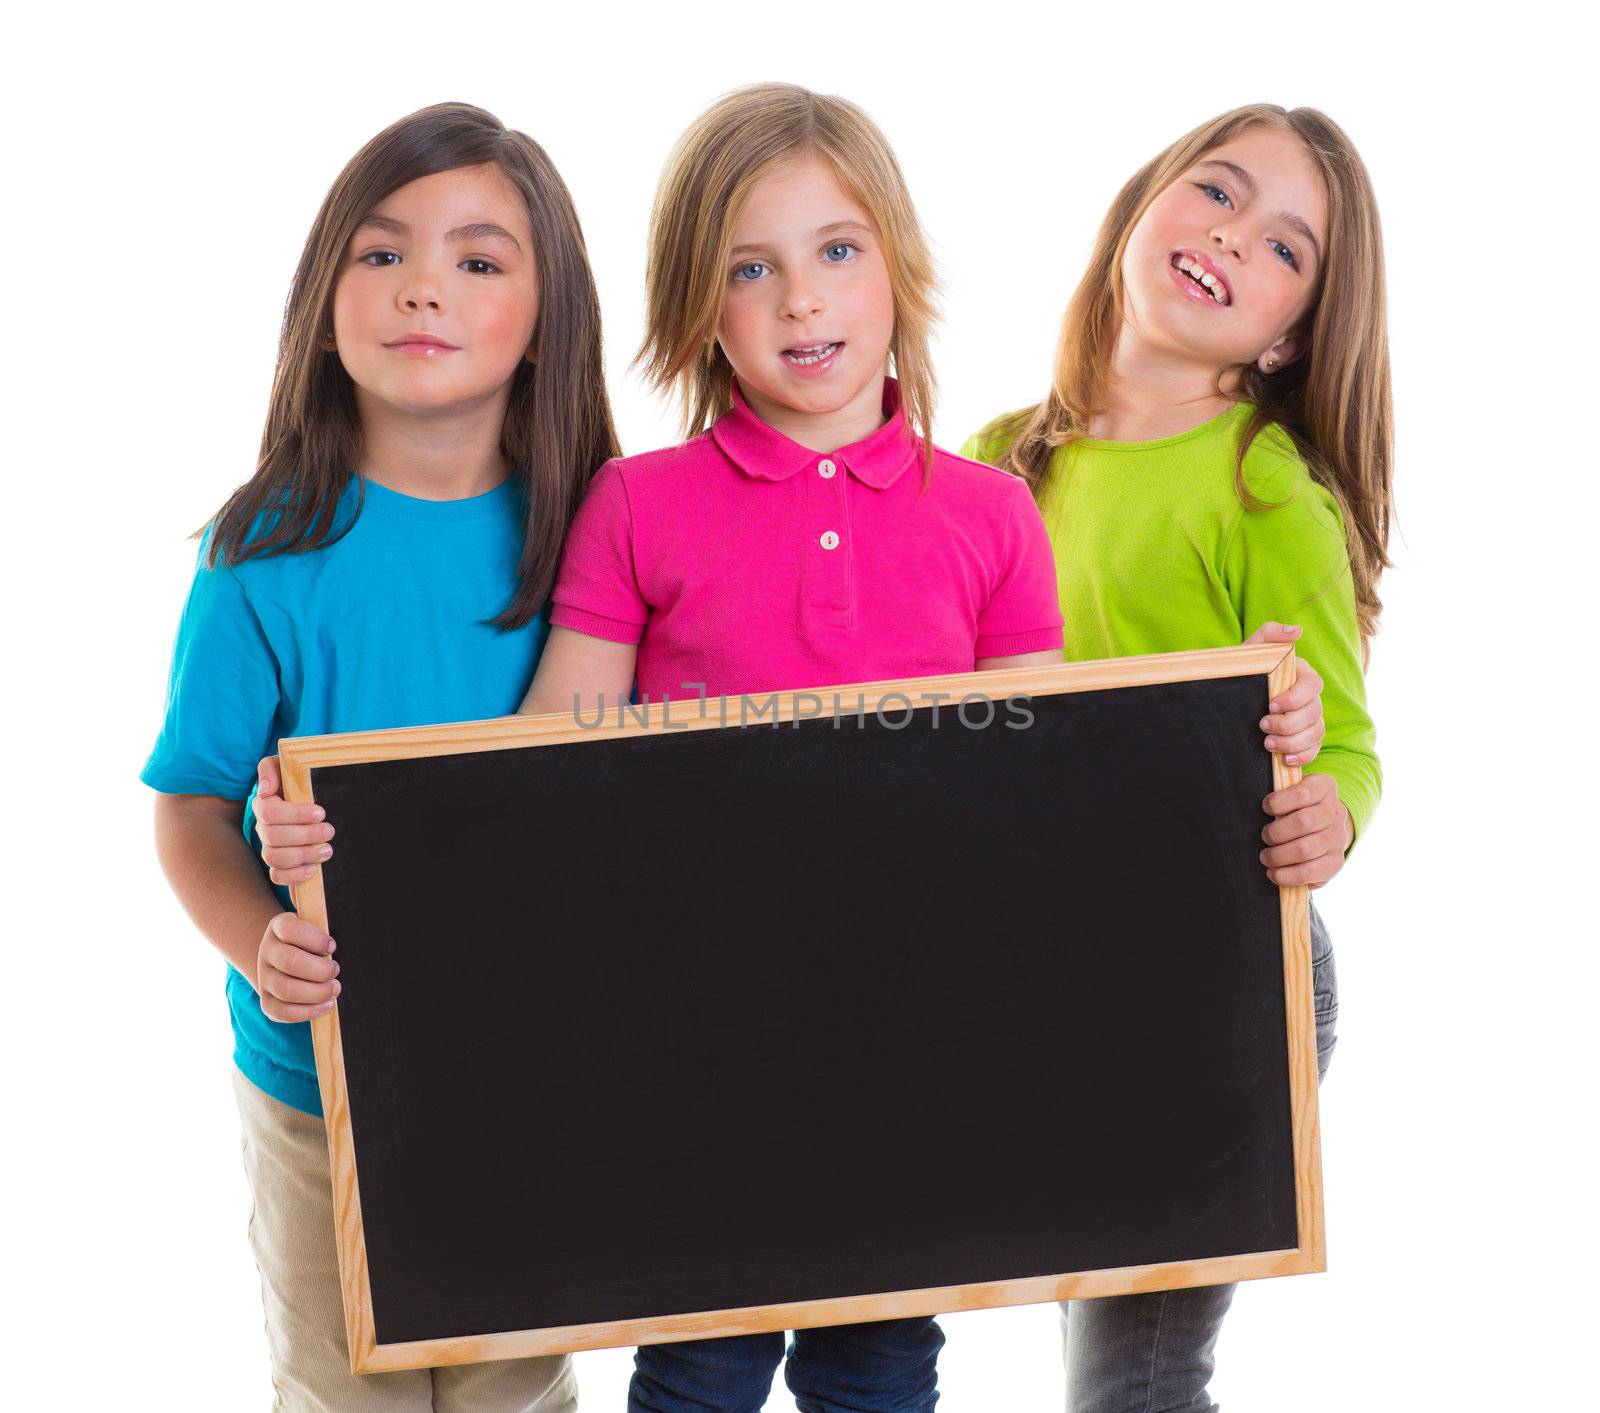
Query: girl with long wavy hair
[(1215, 449)]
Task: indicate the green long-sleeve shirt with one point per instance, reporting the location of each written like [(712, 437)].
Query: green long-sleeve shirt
[(1155, 553)]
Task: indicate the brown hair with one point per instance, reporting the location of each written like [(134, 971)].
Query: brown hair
[(1333, 401), (558, 427), (708, 178)]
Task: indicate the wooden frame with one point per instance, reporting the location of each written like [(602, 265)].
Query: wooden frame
[(301, 755)]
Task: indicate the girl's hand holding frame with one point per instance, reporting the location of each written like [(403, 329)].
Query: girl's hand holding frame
[(294, 838)]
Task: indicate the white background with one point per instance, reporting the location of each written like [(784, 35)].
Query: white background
[(162, 171)]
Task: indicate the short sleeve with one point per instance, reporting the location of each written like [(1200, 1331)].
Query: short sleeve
[(222, 695), (597, 591), (1023, 614)]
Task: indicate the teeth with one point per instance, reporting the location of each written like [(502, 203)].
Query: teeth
[(1200, 275), (814, 354)]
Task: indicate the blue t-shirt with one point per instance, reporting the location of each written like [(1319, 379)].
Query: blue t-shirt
[(390, 626)]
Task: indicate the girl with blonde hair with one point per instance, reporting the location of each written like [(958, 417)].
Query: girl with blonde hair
[(1215, 449), (808, 534)]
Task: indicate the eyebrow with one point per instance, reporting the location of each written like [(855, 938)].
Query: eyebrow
[(475, 230), (1240, 175), (483, 230), (1295, 223), (834, 229)]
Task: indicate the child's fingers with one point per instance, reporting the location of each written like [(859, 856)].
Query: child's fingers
[(294, 836), (1288, 723), (1314, 789), (272, 813), (1306, 846), (292, 991), (1305, 689), (294, 930), (312, 854), (269, 778), (1270, 632), (1297, 851), (1313, 874), (1311, 820), (287, 960), (295, 992), (288, 877), (1301, 748), (286, 1014)]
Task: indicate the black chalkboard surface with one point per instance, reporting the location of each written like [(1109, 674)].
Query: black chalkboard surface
[(642, 1028)]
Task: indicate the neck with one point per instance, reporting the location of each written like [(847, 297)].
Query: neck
[(824, 431), (1155, 392), (445, 455)]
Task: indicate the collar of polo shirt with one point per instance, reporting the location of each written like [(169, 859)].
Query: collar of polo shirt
[(765, 453)]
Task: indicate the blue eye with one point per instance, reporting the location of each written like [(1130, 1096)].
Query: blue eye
[(751, 271), (472, 264), (1216, 194), (839, 252), (380, 259), (1283, 253)]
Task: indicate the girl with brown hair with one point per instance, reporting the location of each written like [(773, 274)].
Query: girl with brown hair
[(1215, 449), (437, 412)]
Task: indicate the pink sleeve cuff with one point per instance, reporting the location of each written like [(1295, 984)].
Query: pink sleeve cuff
[(595, 625), (1016, 644)]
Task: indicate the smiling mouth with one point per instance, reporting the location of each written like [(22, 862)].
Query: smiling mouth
[(805, 357), (1202, 277)]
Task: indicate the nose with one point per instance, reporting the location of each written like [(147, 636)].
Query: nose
[(1229, 240), (800, 300), (421, 290)]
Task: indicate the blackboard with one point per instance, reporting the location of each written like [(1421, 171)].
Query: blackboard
[(678, 1027)]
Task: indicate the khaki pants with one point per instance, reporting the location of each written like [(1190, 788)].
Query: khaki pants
[(291, 1232)]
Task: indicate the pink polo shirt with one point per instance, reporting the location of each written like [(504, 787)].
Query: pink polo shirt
[(749, 563)]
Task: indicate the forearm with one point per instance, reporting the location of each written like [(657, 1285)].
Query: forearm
[(216, 877), (549, 695), (579, 672), (1049, 658)]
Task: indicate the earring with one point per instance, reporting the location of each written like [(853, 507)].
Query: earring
[(1272, 363)]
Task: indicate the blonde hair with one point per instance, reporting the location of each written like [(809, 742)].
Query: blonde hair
[(1333, 401), (709, 176)]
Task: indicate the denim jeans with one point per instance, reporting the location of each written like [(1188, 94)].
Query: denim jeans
[(883, 1367), (1154, 1353)]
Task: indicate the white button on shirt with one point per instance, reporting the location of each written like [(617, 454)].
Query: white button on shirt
[(830, 540), (825, 469)]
